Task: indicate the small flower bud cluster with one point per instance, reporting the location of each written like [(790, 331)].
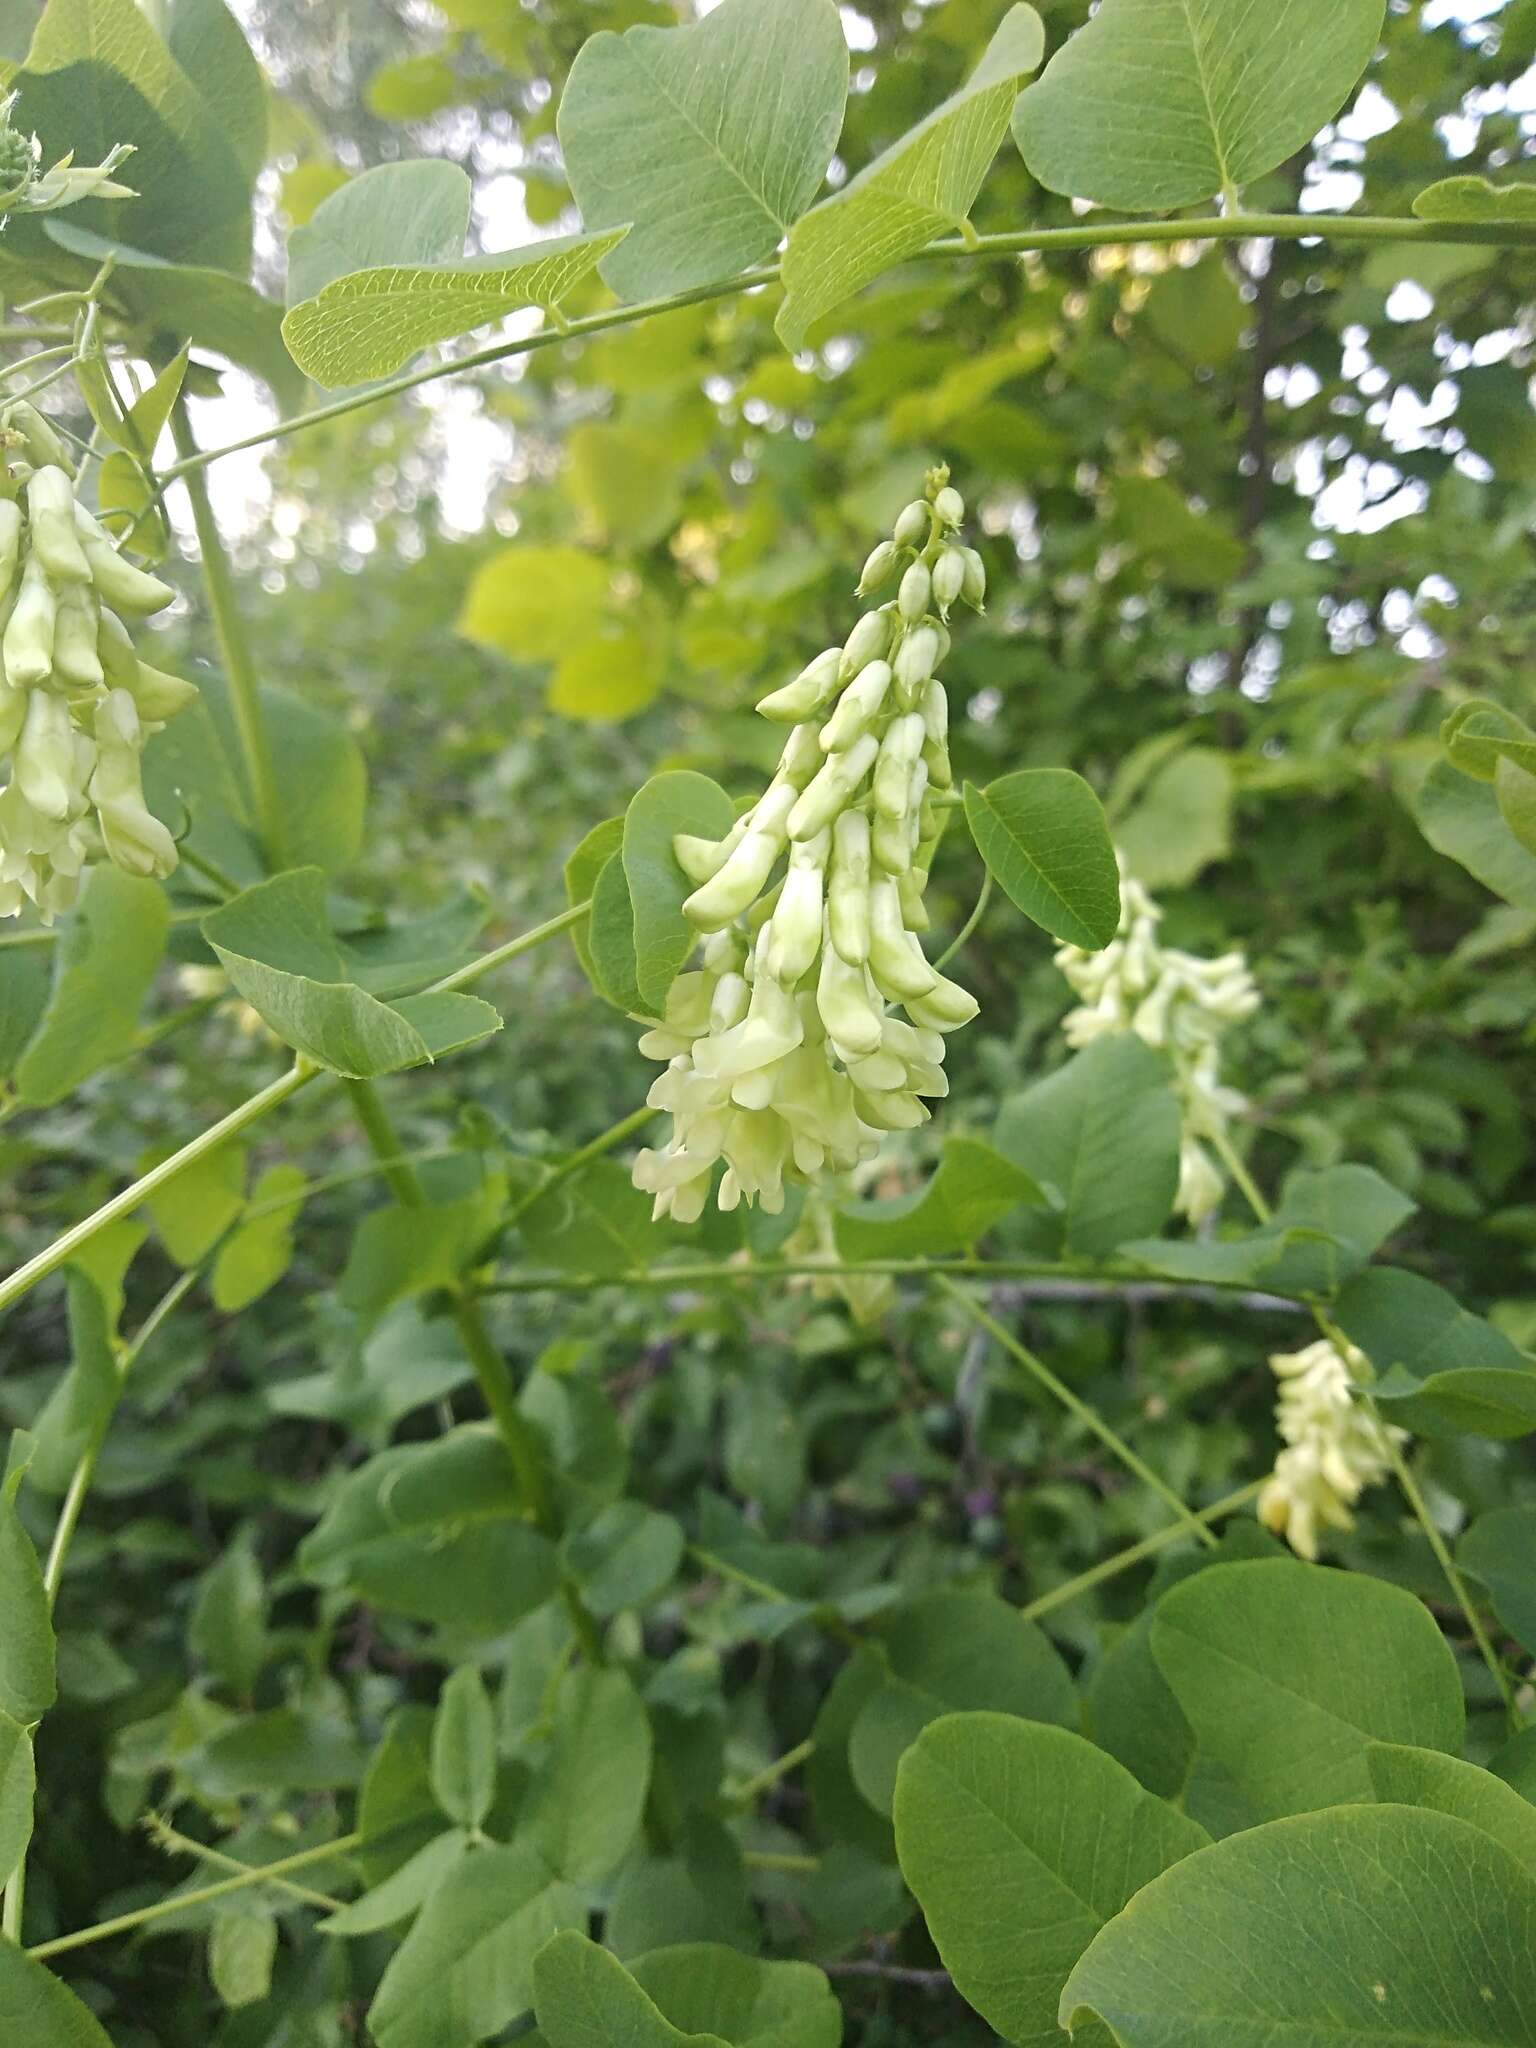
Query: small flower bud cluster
[(784, 1057), (1335, 1447), (76, 703), (24, 188), (1179, 1003)]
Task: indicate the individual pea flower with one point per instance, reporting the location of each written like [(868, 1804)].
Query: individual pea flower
[(1180, 1003), (785, 1060), (76, 703), (1335, 1446), (25, 188)]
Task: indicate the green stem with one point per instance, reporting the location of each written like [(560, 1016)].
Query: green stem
[(70, 1509), (239, 667), (177, 1844), (1448, 1566), (1059, 1596), (180, 1902), (491, 1370), (983, 898), (16, 1284), (1220, 1140), (1111, 234), (753, 1788), (575, 1161), (1088, 1416), (780, 1859), (63, 1249), (525, 942), (729, 1273)]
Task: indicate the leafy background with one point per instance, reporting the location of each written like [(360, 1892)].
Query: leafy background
[(1252, 529)]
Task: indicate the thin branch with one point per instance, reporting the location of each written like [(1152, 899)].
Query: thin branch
[(1088, 1415), (1114, 234)]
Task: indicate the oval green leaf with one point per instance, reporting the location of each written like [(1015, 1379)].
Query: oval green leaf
[(1042, 834), (1368, 1927)]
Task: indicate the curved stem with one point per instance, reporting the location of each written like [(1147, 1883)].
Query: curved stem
[(1122, 1560), (63, 1249), (178, 1902), (1111, 234), (234, 648), (1084, 1282), (496, 1382), (983, 898), (1087, 1415)]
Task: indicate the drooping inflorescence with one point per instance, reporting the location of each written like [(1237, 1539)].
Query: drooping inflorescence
[(76, 702), (1179, 1003), (784, 1053), (1334, 1445)]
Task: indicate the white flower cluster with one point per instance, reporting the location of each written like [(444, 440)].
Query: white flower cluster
[(26, 188), (1179, 1003), (1335, 1447), (76, 703), (784, 1057)]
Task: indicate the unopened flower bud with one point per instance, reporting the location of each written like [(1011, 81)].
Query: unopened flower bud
[(118, 582), (10, 542), (948, 578), (857, 708), (878, 565), (848, 888), (51, 508), (840, 776), (75, 658), (729, 1004), (808, 692), (916, 659), (27, 648), (911, 528), (893, 771), (135, 839), (914, 911), (945, 1008), (736, 884), (801, 756), (949, 505), (45, 756), (915, 591), (974, 588), (13, 715), (866, 643), (847, 1005), (42, 444), (795, 928), (895, 955)]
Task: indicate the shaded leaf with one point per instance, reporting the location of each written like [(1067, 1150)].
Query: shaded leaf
[(923, 184), (1287, 1671), (371, 322), (1005, 1825), (1377, 1925), (972, 1188), (275, 944), (711, 139), (1159, 103), (1042, 834)]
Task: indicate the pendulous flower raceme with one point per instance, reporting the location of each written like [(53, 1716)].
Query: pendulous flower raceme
[(785, 1055), (1179, 1003), (76, 703), (1335, 1446)]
